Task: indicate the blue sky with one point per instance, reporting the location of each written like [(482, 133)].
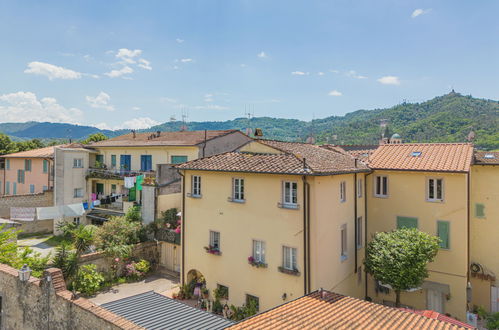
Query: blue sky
[(131, 64)]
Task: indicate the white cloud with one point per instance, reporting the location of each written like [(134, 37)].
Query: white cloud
[(262, 54), (186, 60), (101, 101), (299, 73), (334, 71), (389, 80), (121, 72), (208, 98), (334, 92), (51, 71), (179, 41), (320, 73), (209, 107), (168, 100), (419, 11), (355, 75), (136, 108), (25, 106), (135, 123), (128, 55), (144, 64)]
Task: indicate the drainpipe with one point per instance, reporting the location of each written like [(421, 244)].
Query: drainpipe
[(468, 216), (355, 217), (308, 236), (365, 223), (305, 230), (182, 235), (4, 175), (204, 144)]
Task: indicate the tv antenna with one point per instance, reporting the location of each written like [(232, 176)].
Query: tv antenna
[(249, 114), (185, 116)]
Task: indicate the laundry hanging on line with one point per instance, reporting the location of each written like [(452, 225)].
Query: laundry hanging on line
[(129, 181), (57, 212), (23, 213)]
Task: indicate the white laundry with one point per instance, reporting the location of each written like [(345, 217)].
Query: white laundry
[(129, 181), (73, 210)]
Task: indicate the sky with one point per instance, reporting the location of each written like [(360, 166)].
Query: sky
[(133, 64)]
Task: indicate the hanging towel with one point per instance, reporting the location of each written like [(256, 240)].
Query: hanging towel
[(73, 210), (94, 196), (23, 213), (129, 181), (85, 205), (47, 213), (140, 180), (96, 202)]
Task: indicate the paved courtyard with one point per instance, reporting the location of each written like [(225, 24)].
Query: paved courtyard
[(37, 244)]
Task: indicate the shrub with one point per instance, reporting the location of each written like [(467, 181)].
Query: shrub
[(88, 280), (34, 260), (143, 266), (137, 270), (117, 235), (133, 214), (169, 218)]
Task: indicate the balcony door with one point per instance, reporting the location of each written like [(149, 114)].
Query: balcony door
[(126, 162), (145, 163), (435, 301)]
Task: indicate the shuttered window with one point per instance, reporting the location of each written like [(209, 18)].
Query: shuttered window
[(27, 165), (479, 210), (407, 222), (45, 166), (20, 176), (443, 233)]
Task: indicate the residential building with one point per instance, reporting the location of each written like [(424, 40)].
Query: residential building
[(425, 186), (27, 172), (287, 216)]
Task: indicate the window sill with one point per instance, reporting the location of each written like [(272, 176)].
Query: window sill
[(233, 200), (194, 196), (288, 206), (288, 271), (258, 264), (435, 200), (381, 196), (214, 252)]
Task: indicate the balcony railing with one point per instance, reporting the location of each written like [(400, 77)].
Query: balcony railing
[(118, 174)]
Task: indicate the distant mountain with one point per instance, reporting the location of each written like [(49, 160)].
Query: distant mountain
[(447, 118)]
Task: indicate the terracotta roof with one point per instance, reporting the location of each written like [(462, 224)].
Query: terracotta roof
[(47, 152), (334, 311), (361, 152), (443, 157), (486, 157), (297, 158), (438, 316), (185, 138)]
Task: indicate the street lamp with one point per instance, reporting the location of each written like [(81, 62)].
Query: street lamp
[(24, 273)]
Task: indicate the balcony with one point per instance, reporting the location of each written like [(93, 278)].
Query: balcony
[(118, 174)]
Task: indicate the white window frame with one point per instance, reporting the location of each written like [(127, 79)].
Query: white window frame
[(77, 192), (214, 237), (77, 162), (343, 191), (259, 251), (290, 194), (238, 190), (196, 186), (382, 185), (343, 242), (289, 258), (360, 232), (435, 189), (360, 187)]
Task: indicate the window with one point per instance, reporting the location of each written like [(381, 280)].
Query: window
[(145, 163), (358, 234), (290, 194), (359, 188), (238, 189), (435, 190), (27, 165), (443, 233), (343, 239), (31, 188), (416, 153), (343, 191), (76, 221), (7, 188), (20, 176), (215, 239), (78, 162), (289, 258), (252, 300), (479, 210), (7, 164), (99, 160), (223, 291), (178, 159), (45, 188), (381, 186), (113, 189), (196, 186), (407, 222), (113, 161), (45, 166), (14, 188), (259, 251), (78, 193)]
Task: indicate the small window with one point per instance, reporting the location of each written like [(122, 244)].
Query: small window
[(14, 188), (7, 164), (289, 258), (416, 153), (76, 221), (45, 166), (99, 160), (7, 188), (78, 193), (27, 165), (344, 242), (215, 239), (359, 234), (20, 176), (113, 189), (435, 190), (252, 300), (223, 291), (178, 159), (381, 186), (479, 210), (360, 187), (238, 189), (443, 233), (290, 194), (77, 162), (113, 161), (196, 186), (45, 188), (259, 251), (31, 188), (489, 156), (343, 191), (407, 222)]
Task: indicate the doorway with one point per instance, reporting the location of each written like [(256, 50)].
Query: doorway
[(435, 301)]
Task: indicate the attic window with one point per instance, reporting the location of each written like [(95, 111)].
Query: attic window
[(416, 153), (489, 156)]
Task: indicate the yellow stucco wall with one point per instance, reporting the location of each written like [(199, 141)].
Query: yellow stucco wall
[(407, 197), (259, 218), (485, 230), (166, 202)]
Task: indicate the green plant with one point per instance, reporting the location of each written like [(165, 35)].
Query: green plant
[(88, 280), (8, 245), (240, 313), (33, 259), (83, 237), (67, 228), (399, 258), (133, 214), (143, 266), (66, 260), (217, 307), (491, 319), (117, 236), (221, 292), (169, 218)]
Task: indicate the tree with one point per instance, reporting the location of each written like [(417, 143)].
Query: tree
[(8, 245), (6, 145), (399, 258), (94, 138)]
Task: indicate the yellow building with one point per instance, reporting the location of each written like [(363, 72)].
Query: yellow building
[(485, 230), (425, 186), (274, 221)]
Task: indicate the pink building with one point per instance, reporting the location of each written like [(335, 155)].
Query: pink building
[(27, 172)]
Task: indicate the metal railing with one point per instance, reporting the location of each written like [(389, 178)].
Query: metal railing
[(103, 173)]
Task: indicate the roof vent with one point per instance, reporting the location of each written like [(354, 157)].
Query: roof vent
[(416, 153), (489, 156)]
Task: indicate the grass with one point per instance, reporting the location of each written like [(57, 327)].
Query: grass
[(54, 240), (33, 235)]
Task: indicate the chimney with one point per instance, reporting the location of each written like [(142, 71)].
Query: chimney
[(133, 133)]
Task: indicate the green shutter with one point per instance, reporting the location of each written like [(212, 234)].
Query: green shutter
[(407, 222), (45, 166), (479, 210), (178, 159), (7, 164), (113, 160), (443, 233)]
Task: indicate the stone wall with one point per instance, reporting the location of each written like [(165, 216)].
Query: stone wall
[(37, 226), (46, 304), (31, 200)]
